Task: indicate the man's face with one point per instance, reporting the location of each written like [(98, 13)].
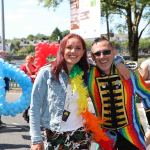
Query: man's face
[(103, 55)]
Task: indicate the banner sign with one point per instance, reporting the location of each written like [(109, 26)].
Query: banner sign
[(85, 18)]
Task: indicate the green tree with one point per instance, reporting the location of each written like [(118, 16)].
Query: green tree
[(41, 37), (107, 10), (134, 11), (31, 37), (30, 49), (64, 33), (56, 35), (50, 3), (144, 44), (15, 45), (26, 50)]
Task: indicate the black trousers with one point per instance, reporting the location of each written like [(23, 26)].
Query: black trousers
[(123, 144)]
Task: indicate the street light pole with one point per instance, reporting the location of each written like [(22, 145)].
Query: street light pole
[(3, 26)]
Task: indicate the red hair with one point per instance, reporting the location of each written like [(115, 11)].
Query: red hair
[(29, 57), (60, 62)]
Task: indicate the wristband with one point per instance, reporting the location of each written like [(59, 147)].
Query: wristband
[(118, 59), (36, 142)]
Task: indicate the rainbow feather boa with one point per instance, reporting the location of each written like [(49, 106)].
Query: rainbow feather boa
[(91, 122)]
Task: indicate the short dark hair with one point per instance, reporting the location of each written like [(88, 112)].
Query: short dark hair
[(100, 39)]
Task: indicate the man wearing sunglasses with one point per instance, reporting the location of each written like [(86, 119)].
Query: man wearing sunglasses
[(114, 98)]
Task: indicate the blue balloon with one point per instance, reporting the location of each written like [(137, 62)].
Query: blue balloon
[(23, 102)]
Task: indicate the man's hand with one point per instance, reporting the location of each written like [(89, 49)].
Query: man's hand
[(147, 137), (39, 146)]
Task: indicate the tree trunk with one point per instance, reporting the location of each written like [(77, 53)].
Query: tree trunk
[(129, 24), (133, 42), (107, 23), (134, 47)]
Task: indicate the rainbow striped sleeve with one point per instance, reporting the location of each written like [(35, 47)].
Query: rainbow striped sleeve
[(141, 88)]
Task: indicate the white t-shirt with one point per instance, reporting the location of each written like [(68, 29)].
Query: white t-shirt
[(74, 120)]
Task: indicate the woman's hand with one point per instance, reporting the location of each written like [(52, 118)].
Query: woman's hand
[(39, 146)]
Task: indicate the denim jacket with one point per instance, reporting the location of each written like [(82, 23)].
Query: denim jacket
[(47, 102)]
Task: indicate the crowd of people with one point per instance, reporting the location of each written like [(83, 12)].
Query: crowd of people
[(64, 90)]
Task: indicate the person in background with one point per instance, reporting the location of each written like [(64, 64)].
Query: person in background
[(114, 99), (29, 69), (3, 55), (145, 71)]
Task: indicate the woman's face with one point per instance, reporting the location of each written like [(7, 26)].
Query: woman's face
[(29, 60), (73, 52)]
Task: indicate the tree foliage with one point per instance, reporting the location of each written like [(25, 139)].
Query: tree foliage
[(15, 45), (133, 11), (50, 3), (37, 37), (144, 44), (41, 37), (64, 33), (106, 11), (31, 37), (56, 35)]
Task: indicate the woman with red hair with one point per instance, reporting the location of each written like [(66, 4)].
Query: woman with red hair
[(55, 100)]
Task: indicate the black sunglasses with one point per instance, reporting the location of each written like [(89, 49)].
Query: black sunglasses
[(104, 52)]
